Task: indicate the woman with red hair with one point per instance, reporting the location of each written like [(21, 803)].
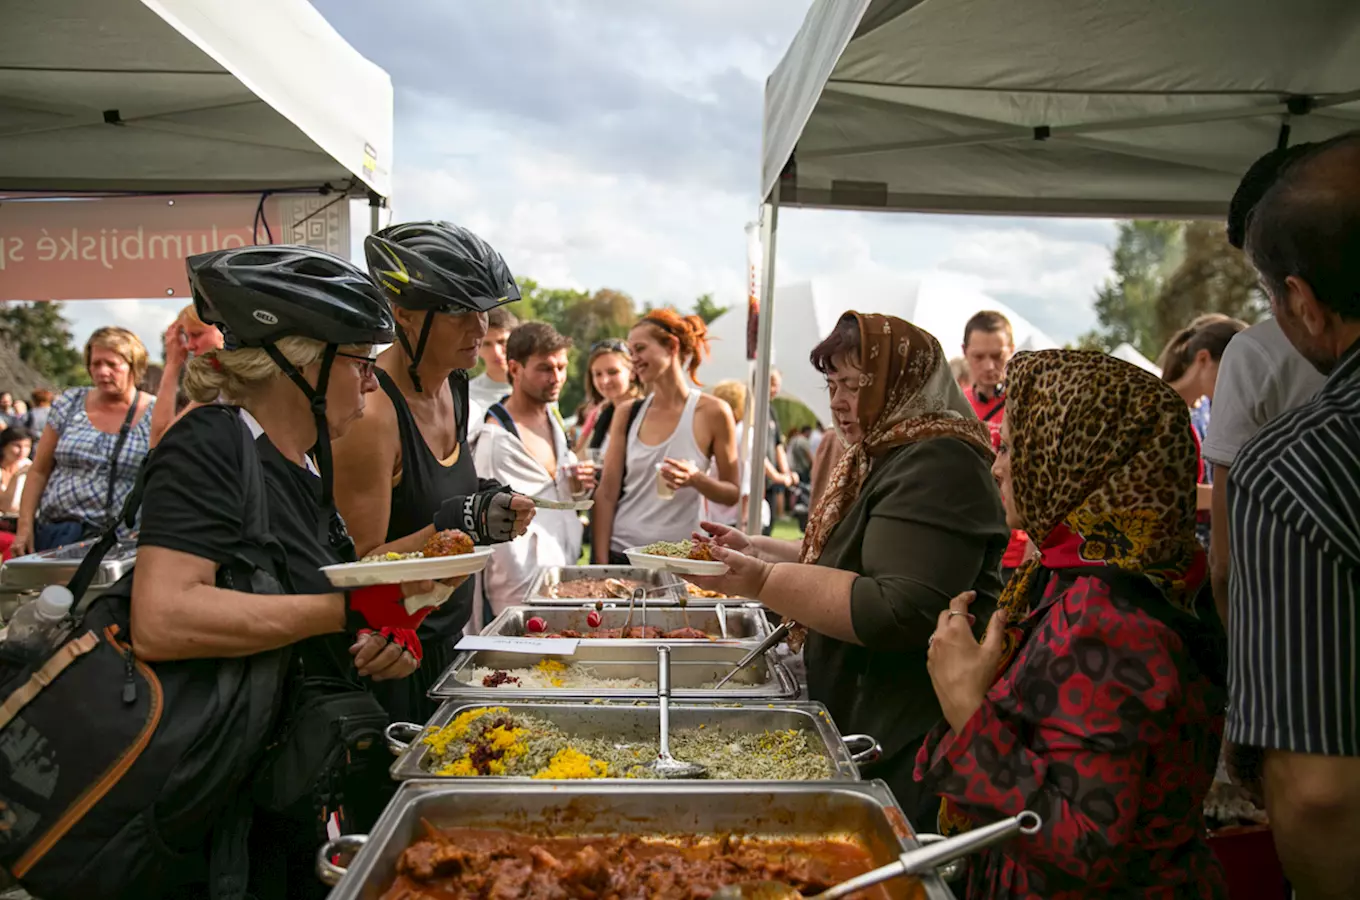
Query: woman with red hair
[(660, 446)]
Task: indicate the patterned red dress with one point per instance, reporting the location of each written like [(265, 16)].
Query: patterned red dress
[(1104, 726)]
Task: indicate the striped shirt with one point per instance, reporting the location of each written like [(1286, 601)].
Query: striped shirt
[(1294, 510)]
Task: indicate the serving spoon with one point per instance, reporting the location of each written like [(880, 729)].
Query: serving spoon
[(913, 862), (665, 765)]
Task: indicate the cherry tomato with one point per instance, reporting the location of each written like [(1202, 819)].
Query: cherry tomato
[(594, 619), (536, 625)]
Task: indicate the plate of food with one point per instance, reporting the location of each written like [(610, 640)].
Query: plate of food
[(447, 554), (683, 557)]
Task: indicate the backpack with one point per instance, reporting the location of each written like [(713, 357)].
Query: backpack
[(120, 777)]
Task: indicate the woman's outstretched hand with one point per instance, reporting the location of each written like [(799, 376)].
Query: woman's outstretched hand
[(724, 536), (961, 669), (745, 575)]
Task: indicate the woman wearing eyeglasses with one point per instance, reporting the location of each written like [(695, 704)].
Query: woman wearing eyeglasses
[(609, 382), (405, 470)]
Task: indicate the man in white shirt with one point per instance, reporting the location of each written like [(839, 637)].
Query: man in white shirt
[(1260, 377), (523, 445)]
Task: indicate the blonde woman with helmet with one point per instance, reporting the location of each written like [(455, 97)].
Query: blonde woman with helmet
[(90, 451), (188, 337), (300, 329), (408, 468), (655, 477)]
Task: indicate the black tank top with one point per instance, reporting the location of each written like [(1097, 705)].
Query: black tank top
[(425, 484)]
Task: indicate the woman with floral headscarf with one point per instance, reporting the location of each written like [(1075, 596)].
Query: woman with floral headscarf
[(909, 517), (1096, 696)]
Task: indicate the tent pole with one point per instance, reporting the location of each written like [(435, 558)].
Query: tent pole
[(760, 415), (375, 204)]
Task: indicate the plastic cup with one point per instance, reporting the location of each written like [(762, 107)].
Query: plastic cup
[(663, 490)]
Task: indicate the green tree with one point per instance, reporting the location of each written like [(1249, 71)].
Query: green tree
[(1213, 277), (707, 308), (1166, 274), (585, 317), (1145, 255), (42, 337)]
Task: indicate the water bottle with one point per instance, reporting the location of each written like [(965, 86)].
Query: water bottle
[(38, 626)]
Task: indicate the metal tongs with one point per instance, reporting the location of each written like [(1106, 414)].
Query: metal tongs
[(913, 862), (772, 640), (620, 590)]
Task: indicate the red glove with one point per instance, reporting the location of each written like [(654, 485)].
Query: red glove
[(380, 606)]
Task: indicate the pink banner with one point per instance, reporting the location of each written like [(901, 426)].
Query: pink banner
[(106, 248)]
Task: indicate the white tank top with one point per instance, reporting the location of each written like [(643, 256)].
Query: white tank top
[(643, 515)]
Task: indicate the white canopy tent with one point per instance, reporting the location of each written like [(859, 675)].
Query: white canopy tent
[(1067, 107), (808, 310), (1132, 108), (1130, 354), (187, 96)]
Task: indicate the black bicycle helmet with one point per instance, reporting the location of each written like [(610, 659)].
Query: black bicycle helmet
[(437, 267), (257, 295), (260, 294)]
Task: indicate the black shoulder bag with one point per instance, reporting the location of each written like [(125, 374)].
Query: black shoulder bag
[(122, 777)]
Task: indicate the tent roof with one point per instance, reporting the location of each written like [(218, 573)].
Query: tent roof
[(806, 311), (250, 94), (1134, 108)]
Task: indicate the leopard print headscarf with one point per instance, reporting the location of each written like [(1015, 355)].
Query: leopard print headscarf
[(1104, 450), (1103, 460)]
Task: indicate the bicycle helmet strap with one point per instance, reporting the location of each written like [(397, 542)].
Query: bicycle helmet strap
[(317, 397), (420, 347)]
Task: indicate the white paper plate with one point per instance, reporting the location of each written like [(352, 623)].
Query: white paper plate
[(363, 574), (675, 563)]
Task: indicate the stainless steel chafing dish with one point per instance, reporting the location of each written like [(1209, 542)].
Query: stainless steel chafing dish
[(692, 664), (664, 588), (865, 811), (727, 623), (56, 566), (628, 722)]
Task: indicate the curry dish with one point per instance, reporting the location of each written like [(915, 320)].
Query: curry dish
[(589, 588), (455, 863)]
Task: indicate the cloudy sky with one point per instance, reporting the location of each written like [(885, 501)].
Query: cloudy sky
[(603, 143)]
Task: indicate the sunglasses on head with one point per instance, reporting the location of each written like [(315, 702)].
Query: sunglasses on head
[(614, 344)]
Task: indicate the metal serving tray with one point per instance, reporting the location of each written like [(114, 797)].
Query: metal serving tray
[(631, 723), (550, 576), (692, 664), (56, 566), (810, 810), (727, 623)]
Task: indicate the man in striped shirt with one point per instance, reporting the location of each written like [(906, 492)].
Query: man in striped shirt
[(1294, 506)]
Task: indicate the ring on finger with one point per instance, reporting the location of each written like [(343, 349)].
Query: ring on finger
[(955, 612), (930, 641)]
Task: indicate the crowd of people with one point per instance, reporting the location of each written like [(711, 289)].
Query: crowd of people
[(1047, 580)]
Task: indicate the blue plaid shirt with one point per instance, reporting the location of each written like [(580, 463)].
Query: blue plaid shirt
[(79, 483)]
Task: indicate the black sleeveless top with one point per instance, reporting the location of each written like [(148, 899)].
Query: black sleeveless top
[(425, 484)]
